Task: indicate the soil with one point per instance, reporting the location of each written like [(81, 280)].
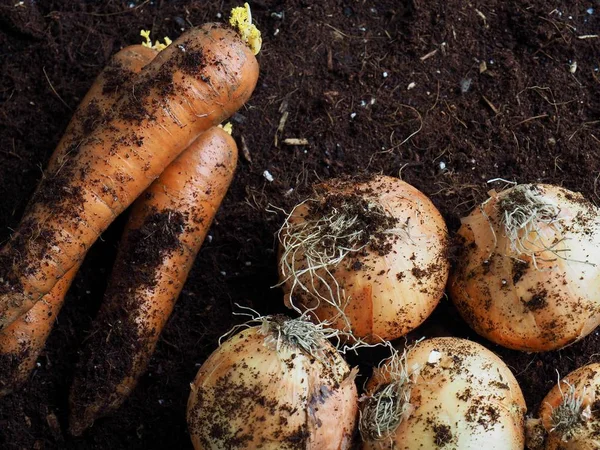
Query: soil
[(446, 94)]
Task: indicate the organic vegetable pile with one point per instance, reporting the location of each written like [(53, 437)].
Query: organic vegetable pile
[(365, 122)]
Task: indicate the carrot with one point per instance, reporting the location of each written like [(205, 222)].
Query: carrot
[(23, 340), (195, 83), (99, 100), (163, 236)]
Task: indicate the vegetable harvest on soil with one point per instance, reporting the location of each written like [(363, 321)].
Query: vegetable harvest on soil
[(279, 385), (368, 256), (443, 393), (529, 275), (23, 340), (195, 83), (166, 228), (569, 417)]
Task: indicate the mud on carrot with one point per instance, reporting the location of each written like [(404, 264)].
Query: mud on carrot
[(167, 226), (23, 340), (195, 83)]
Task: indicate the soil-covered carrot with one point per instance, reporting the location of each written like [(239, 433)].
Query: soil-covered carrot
[(165, 231), (195, 83), (99, 100), (23, 340)]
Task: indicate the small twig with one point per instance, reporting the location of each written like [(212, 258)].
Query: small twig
[(118, 12), (6, 152), (588, 36), (437, 97), (491, 105), (54, 90), (281, 127), (413, 133), (480, 14), (295, 141), (428, 55), (541, 116), (454, 115), (245, 150)]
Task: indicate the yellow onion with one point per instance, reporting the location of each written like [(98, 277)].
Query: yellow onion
[(367, 256), (443, 393), (279, 385), (569, 417), (529, 276)]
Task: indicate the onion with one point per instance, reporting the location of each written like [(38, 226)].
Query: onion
[(569, 415), (280, 385), (443, 393), (368, 257), (529, 278)]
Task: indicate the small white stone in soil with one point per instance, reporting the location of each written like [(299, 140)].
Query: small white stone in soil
[(573, 67), (268, 176)]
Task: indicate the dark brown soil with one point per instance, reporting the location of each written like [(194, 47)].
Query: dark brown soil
[(496, 99)]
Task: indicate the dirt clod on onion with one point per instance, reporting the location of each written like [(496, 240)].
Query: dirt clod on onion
[(278, 385), (443, 393), (529, 275), (368, 256), (569, 417)]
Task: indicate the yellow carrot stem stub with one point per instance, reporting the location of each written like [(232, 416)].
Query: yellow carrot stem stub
[(227, 128), (157, 45), (241, 20)]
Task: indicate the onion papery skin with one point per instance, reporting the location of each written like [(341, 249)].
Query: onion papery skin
[(503, 296), (255, 392), (387, 293), (462, 396), (585, 383)]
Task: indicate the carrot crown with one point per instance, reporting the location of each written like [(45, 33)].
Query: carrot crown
[(157, 45), (227, 127), (241, 20)]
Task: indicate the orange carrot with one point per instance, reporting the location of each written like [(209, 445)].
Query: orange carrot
[(23, 340), (99, 100), (195, 83), (163, 236)]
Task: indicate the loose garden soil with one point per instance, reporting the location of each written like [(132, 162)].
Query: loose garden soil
[(447, 94)]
